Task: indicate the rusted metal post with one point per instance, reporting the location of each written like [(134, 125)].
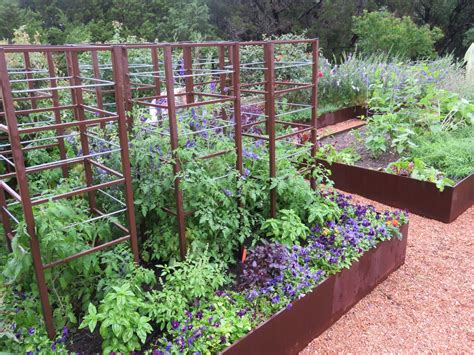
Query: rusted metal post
[(222, 78), (7, 229), (269, 59), (237, 107), (128, 89), (188, 71), (77, 100), (314, 109), (98, 89), (22, 180), (169, 77), (117, 63), (56, 110), (29, 76), (156, 67)]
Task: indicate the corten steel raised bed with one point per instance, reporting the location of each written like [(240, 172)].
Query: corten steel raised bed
[(290, 330), (420, 197), (330, 118)]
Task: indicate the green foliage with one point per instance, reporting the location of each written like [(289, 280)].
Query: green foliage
[(123, 325), (417, 169), (407, 104), (344, 156), (197, 277), (286, 229), (450, 152), (381, 31)]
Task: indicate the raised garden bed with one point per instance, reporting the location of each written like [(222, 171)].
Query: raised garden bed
[(291, 329), (420, 197), (331, 118)]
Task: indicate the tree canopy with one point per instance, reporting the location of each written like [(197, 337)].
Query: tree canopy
[(67, 21)]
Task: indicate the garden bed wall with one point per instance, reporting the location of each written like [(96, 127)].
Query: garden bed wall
[(290, 330), (420, 197), (331, 118)]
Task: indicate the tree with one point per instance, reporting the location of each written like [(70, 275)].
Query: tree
[(383, 32)]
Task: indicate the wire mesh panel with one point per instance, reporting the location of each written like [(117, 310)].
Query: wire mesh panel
[(57, 146), (65, 115), (187, 96), (279, 103)]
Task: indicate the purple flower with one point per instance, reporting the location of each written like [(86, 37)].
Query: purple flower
[(223, 339), (199, 315), (174, 324), (212, 86), (228, 193), (249, 154), (217, 324), (31, 331), (53, 346), (276, 299), (181, 67), (246, 173), (242, 313)]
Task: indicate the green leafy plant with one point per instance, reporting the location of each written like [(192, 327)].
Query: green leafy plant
[(197, 277), (382, 31), (121, 315), (417, 169), (286, 229)]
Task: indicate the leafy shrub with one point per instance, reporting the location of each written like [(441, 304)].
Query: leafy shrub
[(381, 31), (123, 324), (417, 169), (286, 229), (265, 262), (330, 154), (184, 282), (450, 152)]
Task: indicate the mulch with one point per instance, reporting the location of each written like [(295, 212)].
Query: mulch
[(426, 305), (354, 139)]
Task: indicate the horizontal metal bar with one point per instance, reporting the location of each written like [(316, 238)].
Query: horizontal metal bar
[(112, 197), (80, 191), (284, 91), (294, 133), (88, 122), (115, 223), (5, 209), (10, 191), (59, 163), (255, 136), (216, 154), (106, 168), (68, 87), (42, 109), (86, 252), (6, 159)]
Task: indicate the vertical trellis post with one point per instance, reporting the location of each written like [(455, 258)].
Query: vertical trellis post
[(56, 110), (79, 114), (314, 108), (117, 60), (20, 172), (171, 105), (269, 59)]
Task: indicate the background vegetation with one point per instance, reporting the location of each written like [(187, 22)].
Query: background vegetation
[(447, 23)]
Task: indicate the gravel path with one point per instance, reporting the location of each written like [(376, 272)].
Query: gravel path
[(426, 305)]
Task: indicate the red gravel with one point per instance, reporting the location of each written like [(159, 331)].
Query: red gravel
[(426, 305)]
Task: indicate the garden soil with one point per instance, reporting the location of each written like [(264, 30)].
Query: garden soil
[(426, 305)]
